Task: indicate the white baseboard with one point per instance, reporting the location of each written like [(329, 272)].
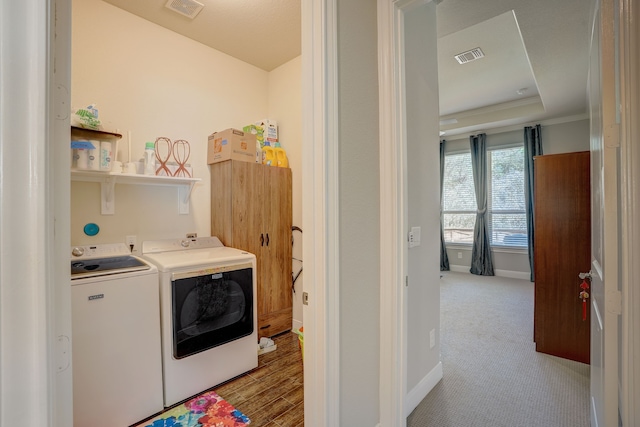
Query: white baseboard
[(295, 325), (525, 275), (459, 268), (426, 384)]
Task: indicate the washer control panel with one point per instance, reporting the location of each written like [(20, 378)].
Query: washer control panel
[(99, 251), (156, 246)]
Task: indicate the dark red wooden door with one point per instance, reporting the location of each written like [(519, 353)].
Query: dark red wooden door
[(562, 250)]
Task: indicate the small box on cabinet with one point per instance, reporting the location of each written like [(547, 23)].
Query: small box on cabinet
[(231, 144), (270, 130)]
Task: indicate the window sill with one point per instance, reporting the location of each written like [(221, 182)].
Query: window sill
[(500, 249)]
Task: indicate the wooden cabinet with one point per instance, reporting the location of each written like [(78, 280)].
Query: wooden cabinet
[(251, 210), (562, 251)]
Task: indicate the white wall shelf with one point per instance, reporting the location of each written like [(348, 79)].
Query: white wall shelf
[(108, 180)]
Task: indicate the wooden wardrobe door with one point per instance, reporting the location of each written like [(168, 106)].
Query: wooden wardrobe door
[(277, 300), (248, 203), (562, 251)]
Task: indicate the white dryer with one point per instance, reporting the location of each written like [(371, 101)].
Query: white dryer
[(116, 352), (208, 308)]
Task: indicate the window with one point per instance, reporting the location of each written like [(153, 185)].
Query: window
[(507, 217), (458, 199), (505, 198)]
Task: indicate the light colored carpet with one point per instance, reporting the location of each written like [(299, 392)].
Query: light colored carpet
[(492, 374)]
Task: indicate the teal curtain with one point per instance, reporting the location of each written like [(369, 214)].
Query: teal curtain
[(532, 148), (481, 258), (444, 259)]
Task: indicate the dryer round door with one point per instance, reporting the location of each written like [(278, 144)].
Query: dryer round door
[(211, 310)]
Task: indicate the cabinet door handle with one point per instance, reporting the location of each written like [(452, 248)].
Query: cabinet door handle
[(261, 239), (267, 239)]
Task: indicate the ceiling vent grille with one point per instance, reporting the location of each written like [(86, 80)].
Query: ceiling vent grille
[(470, 55), (188, 8)]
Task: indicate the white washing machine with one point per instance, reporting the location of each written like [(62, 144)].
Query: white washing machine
[(116, 351), (208, 309)]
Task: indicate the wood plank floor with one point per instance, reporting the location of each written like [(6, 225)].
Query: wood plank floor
[(272, 394)]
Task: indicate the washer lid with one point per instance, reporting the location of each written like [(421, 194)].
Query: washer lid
[(102, 266), (202, 258)]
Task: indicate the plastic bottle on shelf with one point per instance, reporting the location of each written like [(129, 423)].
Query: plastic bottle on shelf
[(105, 156), (268, 155), (81, 156), (258, 152), (93, 160), (281, 156), (150, 158)]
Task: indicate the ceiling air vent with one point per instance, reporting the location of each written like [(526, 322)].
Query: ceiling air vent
[(470, 55), (188, 8)]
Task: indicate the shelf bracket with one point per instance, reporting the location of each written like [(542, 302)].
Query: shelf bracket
[(107, 196), (184, 194)]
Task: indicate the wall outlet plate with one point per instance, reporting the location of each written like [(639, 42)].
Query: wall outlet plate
[(131, 242)]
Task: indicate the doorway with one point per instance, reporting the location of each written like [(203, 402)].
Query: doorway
[(138, 135)]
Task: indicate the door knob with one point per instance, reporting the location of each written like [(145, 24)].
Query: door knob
[(586, 275), (584, 294)]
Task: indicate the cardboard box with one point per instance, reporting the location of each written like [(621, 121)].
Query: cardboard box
[(231, 144)]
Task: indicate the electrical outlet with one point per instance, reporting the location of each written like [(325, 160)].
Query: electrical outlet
[(432, 338), (131, 242)]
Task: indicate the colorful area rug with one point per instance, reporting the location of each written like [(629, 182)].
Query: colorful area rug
[(206, 410)]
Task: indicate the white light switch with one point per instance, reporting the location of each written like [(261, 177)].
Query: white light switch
[(414, 237)]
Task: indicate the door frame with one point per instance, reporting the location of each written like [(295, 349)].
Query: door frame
[(46, 36), (629, 39), (320, 214), (35, 308), (393, 210), (392, 146)]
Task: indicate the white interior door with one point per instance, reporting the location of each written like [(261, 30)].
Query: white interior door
[(605, 285)]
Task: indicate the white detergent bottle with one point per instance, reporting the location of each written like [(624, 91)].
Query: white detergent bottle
[(258, 152), (150, 158)]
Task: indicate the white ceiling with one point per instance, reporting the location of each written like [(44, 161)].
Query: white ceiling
[(264, 33), (551, 35), (538, 46)]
